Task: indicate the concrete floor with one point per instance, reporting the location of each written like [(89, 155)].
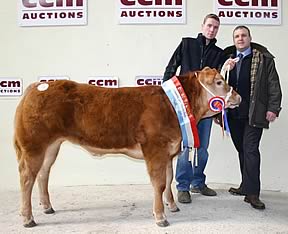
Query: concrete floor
[(128, 209)]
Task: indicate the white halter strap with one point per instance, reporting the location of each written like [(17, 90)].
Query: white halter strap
[(226, 97)]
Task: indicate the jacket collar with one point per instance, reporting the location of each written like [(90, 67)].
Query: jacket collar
[(202, 40), (231, 50)]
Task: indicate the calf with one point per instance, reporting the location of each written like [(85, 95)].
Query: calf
[(137, 121)]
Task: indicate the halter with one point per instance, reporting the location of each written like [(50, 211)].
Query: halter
[(226, 98), (218, 104)]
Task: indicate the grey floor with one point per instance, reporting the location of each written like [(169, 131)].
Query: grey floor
[(128, 209)]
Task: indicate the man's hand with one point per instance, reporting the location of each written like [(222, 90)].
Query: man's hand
[(231, 62), (270, 116), (228, 65)]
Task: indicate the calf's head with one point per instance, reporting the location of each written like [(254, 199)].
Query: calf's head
[(216, 87)]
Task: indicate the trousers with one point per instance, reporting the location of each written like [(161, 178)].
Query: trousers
[(246, 140), (185, 175)]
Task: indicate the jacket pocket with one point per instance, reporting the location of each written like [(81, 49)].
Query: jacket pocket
[(260, 113)]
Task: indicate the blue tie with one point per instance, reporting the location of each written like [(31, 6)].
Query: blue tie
[(238, 64)]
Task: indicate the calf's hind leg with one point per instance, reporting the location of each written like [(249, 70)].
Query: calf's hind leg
[(169, 199), (43, 176), (29, 166)]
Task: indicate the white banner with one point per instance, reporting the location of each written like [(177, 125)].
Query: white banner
[(148, 80), (52, 78), (11, 87), (52, 12), (265, 12), (151, 12)]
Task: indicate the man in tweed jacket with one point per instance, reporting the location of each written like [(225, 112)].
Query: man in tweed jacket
[(255, 78)]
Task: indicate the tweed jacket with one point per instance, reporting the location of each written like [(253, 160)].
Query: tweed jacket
[(265, 91)]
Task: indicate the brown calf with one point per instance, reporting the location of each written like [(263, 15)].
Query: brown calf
[(137, 121)]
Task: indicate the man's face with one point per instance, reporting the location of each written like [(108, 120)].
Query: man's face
[(210, 28), (241, 39)]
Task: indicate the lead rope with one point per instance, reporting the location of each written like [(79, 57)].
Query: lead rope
[(226, 68), (225, 73)]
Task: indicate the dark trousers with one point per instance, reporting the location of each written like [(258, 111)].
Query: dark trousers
[(246, 140)]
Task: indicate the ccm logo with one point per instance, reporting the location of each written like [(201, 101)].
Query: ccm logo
[(150, 2), (273, 3), (10, 84), (49, 3), (148, 81), (113, 83), (47, 79)]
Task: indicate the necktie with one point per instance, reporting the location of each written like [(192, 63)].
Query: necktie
[(238, 64)]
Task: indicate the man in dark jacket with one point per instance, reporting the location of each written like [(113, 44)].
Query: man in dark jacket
[(194, 54), (255, 78)]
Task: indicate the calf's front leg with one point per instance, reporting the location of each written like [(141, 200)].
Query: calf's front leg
[(157, 172)]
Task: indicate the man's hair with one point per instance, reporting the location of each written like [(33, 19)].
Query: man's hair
[(211, 16), (242, 27)]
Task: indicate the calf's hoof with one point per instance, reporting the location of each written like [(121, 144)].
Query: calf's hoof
[(30, 224), (49, 211), (174, 209), (162, 223)]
